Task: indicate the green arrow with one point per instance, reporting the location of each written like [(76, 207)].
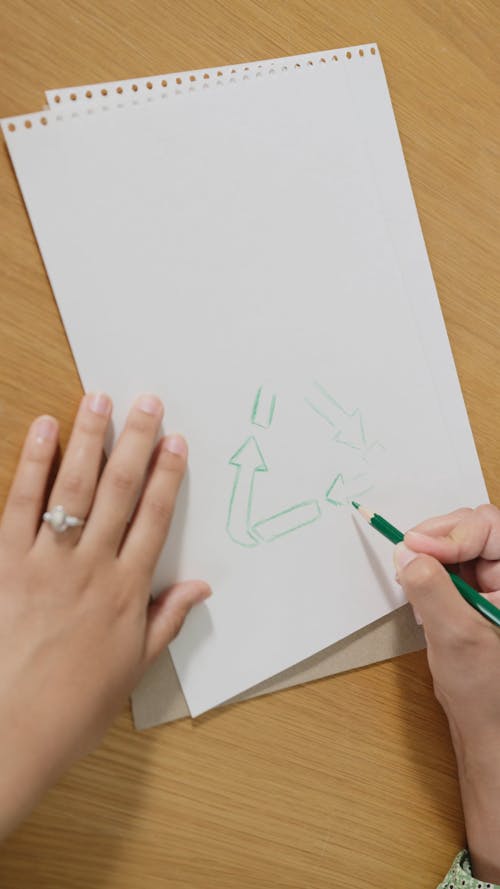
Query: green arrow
[(349, 424), (338, 494), (263, 407), (288, 520), (352, 432), (248, 460), (336, 491)]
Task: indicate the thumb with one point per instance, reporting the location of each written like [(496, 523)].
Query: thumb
[(433, 595), (167, 614)]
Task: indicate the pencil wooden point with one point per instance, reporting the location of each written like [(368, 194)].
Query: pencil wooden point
[(366, 513)]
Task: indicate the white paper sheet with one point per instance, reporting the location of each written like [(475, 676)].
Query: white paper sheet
[(232, 243), (158, 697)]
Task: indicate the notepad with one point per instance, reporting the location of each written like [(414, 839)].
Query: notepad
[(246, 245)]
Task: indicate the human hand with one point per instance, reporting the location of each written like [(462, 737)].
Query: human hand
[(463, 651), (76, 632)]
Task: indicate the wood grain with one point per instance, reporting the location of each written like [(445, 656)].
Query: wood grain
[(350, 778)]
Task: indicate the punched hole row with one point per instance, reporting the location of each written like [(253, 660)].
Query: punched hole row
[(89, 94)]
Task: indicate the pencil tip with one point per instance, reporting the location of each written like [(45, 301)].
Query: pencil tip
[(356, 505)]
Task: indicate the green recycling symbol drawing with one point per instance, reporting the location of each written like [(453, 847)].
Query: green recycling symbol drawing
[(248, 460)]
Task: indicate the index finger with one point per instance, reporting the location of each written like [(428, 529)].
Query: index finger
[(440, 525), (459, 537)]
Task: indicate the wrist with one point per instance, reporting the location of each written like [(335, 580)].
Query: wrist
[(30, 765), (479, 776), (23, 780)]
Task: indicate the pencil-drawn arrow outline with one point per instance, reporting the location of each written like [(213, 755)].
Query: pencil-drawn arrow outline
[(248, 460), (340, 486)]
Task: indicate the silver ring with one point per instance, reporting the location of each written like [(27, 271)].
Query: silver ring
[(60, 521)]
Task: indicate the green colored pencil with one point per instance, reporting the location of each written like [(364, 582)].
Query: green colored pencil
[(484, 606)]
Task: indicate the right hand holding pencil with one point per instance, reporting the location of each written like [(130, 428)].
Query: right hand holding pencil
[(463, 650)]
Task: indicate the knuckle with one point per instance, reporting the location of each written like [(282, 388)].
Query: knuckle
[(20, 498), (463, 510), (488, 511), (160, 508), (89, 426), (140, 423), (171, 464), (122, 479), (37, 457), (73, 483)]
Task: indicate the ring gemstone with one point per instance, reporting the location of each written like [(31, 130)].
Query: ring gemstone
[(60, 521)]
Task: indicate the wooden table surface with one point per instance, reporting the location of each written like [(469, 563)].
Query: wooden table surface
[(349, 780)]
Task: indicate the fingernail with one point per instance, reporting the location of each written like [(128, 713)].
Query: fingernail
[(403, 556), (45, 429), (150, 404), (100, 404), (176, 444)]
